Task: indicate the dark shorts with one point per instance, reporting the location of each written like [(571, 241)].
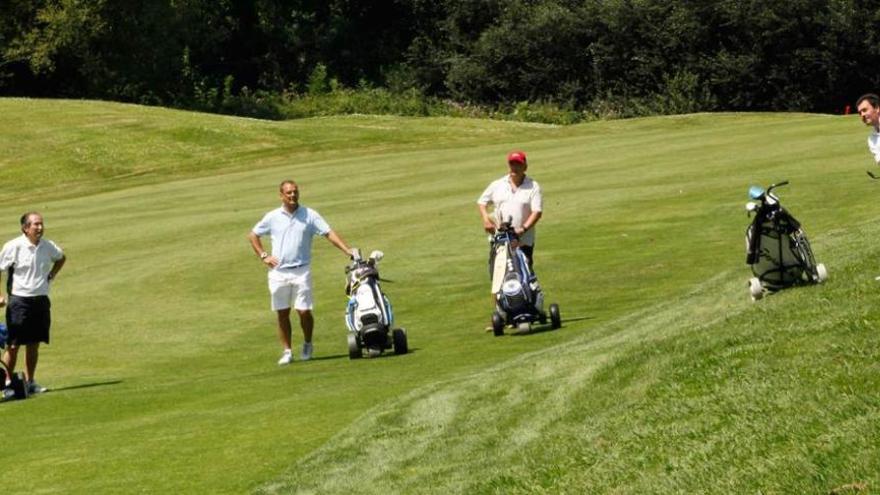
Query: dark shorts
[(28, 320), (527, 250)]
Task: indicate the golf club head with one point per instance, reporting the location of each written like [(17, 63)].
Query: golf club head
[(756, 192), (377, 256), (871, 175)]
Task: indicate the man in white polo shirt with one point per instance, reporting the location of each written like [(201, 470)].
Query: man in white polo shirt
[(868, 106), (33, 262), (291, 228), (516, 198)]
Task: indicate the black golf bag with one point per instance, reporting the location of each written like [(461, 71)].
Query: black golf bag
[(777, 248)]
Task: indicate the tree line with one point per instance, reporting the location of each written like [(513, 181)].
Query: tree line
[(606, 57)]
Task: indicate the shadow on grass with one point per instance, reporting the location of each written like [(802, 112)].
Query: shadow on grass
[(326, 358), (539, 328), (577, 318), (85, 385), (345, 356), (389, 353), (409, 350)]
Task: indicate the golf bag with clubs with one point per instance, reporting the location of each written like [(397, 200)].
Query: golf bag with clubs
[(16, 388), (519, 300), (777, 248), (369, 315)]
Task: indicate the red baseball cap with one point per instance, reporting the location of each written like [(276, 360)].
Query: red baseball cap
[(516, 157)]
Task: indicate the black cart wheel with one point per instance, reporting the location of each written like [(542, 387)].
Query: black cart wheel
[(497, 324), (354, 350), (555, 318), (18, 386), (400, 344)]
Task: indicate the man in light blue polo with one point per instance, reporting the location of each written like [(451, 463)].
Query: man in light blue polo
[(291, 228)]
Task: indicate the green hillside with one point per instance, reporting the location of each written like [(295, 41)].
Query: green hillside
[(664, 377)]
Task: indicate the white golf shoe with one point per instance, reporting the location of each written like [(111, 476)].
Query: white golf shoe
[(286, 358)]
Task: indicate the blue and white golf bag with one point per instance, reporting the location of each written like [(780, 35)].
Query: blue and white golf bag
[(518, 294), (16, 388), (519, 300)]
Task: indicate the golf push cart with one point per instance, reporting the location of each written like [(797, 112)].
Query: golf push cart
[(777, 248), (369, 315), (519, 300)]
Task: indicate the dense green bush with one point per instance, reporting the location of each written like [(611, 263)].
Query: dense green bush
[(549, 60)]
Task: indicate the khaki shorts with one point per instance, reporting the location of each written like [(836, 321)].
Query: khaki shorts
[(291, 287)]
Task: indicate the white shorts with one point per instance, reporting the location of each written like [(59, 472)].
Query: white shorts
[(291, 287)]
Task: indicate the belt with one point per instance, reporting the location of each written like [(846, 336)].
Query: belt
[(291, 267)]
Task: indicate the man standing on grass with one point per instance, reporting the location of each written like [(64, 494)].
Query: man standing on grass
[(33, 262), (868, 106), (516, 198), (291, 228)]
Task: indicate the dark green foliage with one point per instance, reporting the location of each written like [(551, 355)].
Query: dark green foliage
[(583, 58)]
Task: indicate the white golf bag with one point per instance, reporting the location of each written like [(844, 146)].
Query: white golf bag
[(369, 315)]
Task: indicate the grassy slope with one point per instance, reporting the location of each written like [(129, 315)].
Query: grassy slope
[(93, 146), (163, 353), (702, 393)]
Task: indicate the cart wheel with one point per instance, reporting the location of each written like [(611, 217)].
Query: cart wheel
[(497, 324), (19, 387), (755, 288), (354, 351), (821, 273), (400, 345), (555, 318)]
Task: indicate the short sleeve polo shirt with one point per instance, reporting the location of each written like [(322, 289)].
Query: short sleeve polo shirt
[(292, 234), (874, 145), (514, 204), (31, 265)]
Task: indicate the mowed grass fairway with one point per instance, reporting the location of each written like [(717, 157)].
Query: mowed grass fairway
[(664, 378)]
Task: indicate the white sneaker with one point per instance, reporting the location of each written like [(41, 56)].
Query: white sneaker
[(307, 351), (36, 388), (286, 358)]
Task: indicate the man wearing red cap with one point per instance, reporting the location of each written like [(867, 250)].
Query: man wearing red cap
[(516, 198)]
